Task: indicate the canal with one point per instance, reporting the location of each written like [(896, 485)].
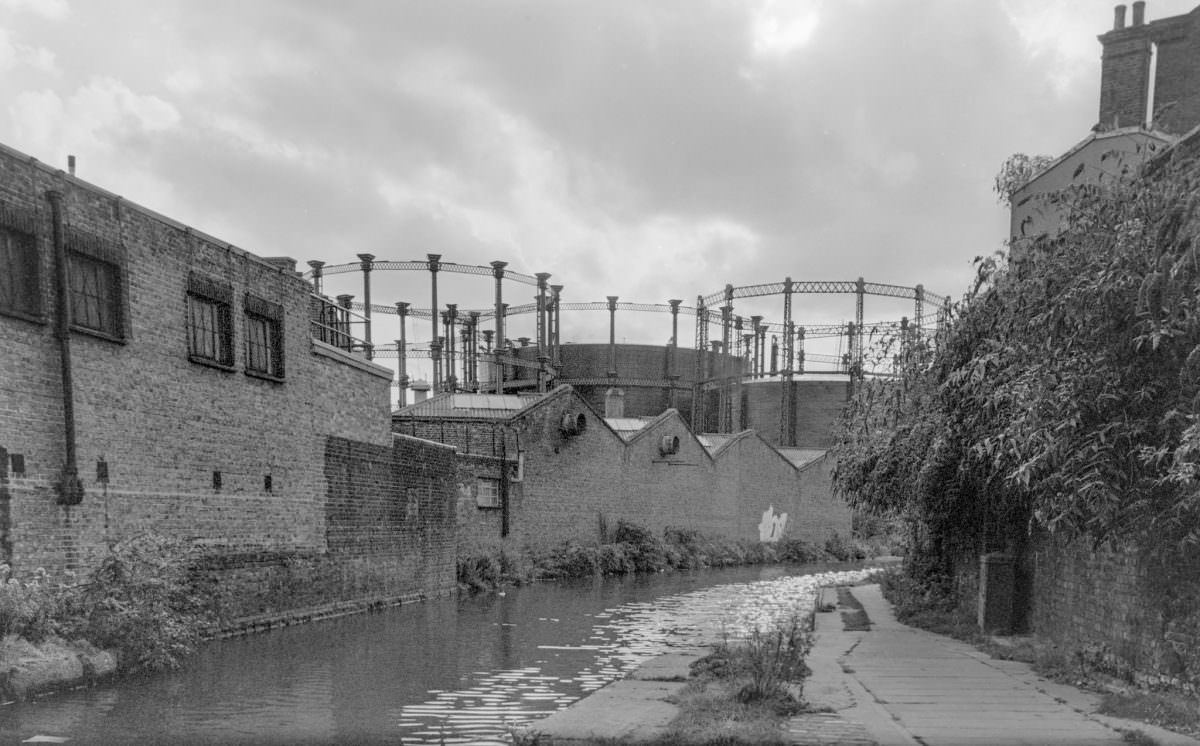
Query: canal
[(451, 670)]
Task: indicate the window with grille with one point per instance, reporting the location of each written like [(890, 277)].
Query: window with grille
[(487, 494), (264, 337), (19, 285), (95, 294), (209, 321), (96, 285)]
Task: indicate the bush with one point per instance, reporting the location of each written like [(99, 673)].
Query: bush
[(646, 550), (29, 608), (144, 601)]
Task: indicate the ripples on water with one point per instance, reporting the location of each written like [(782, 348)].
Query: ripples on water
[(454, 672)]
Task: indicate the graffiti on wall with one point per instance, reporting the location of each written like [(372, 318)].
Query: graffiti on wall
[(770, 528)]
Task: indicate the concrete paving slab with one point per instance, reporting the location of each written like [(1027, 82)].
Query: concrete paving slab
[(625, 711), (674, 666)]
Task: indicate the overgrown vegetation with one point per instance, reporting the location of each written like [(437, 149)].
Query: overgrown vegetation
[(1063, 393), (636, 549), (141, 600), (745, 690)]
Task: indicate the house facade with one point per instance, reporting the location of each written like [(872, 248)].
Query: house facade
[(156, 379)]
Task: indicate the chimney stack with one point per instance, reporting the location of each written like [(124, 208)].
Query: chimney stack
[(1125, 70), (71, 164), (420, 391)]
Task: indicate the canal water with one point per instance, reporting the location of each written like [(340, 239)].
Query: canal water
[(451, 670)]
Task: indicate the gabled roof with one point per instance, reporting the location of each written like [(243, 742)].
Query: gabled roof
[(626, 426), (470, 406), (802, 457)]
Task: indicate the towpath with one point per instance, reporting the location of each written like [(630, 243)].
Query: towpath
[(891, 684)]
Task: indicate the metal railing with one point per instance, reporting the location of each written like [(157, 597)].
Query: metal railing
[(335, 323)]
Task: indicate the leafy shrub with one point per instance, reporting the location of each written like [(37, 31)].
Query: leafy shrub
[(28, 608), (143, 601), (646, 550)]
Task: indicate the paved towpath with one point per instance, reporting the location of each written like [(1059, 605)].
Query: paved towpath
[(896, 684)]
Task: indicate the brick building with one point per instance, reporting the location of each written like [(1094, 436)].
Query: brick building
[(156, 378), (537, 470)]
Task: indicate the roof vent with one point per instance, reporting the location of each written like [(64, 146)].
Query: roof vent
[(668, 445)]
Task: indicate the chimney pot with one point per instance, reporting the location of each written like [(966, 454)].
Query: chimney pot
[(1118, 18), (1139, 13), (71, 164)]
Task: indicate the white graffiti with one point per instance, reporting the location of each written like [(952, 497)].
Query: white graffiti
[(770, 528)]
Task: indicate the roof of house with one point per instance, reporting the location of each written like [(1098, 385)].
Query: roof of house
[(627, 426), (802, 457), (470, 406)]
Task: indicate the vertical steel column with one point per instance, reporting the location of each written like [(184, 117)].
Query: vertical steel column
[(498, 370), (543, 358), (367, 262), (474, 347), (724, 404), (701, 350), (857, 352), (435, 352), (316, 265), (673, 354), (918, 310), (451, 334), (787, 405), (612, 339), (800, 350), (556, 328), (402, 354), (851, 342), (756, 365)]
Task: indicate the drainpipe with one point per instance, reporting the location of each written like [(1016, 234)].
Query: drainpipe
[(71, 488)]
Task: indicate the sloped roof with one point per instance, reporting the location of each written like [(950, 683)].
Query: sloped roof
[(802, 457), (470, 406), (626, 426)]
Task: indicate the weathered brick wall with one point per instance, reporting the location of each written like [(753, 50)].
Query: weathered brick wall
[(1138, 619), (164, 424), (682, 489), (819, 407), (575, 487)]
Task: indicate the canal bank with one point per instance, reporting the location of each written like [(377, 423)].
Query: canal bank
[(883, 684), (462, 670)]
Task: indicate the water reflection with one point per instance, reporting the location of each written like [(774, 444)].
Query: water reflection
[(452, 670)]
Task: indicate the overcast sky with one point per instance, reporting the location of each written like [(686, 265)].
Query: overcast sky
[(643, 149)]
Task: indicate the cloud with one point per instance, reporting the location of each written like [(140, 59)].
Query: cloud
[(54, 10)]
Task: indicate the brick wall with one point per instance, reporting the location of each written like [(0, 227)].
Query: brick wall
[(1125, 74), (575, 486), (1143, 620), (164, 424), (818, 409)]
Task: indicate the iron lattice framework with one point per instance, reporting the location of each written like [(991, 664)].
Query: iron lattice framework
[(720, 366)]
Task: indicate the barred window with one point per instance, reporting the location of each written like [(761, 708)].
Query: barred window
[(488, 493), (95, 294), (96, 285), (209, 321), (264, 337), (19, 285)]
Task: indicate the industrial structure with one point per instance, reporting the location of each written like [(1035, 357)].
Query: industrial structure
[(706, 381)]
